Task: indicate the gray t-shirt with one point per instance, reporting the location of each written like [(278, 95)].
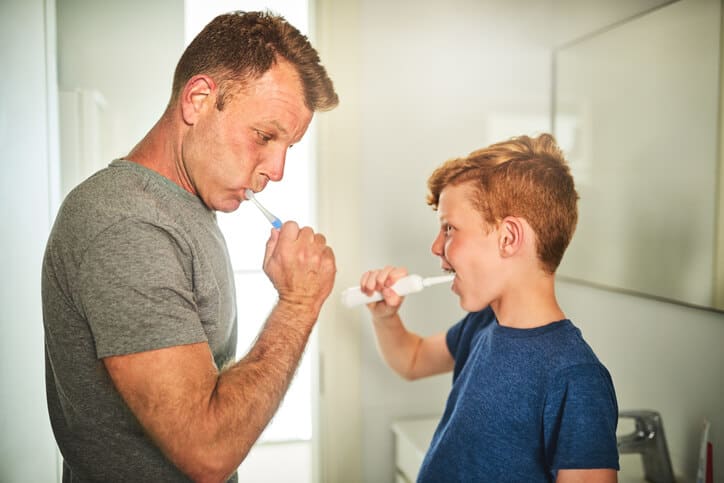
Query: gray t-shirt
[(133, 263)]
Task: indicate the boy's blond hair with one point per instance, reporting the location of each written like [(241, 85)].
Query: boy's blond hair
[(523, 177)]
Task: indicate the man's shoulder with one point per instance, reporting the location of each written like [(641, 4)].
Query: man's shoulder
[(126, 190)]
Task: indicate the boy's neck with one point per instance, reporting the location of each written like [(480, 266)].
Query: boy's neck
[(528, 305)]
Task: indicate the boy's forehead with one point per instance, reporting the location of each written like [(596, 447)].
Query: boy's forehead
[(454, 197), (456, 193)]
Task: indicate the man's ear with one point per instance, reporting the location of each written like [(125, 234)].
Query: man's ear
[(196, 96), (510, 236)]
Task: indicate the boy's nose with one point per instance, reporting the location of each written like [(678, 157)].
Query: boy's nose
[(438, 246)]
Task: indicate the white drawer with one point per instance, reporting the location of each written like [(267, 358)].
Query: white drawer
[(412, 439)]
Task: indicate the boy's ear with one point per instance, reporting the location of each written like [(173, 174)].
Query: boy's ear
[(511, 236), (196, 95)]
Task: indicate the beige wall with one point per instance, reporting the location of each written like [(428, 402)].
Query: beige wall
[(719, 248)]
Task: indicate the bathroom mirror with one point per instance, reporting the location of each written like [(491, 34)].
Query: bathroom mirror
[(636, 110)]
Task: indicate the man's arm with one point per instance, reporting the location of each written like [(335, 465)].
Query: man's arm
[(407, 353), (205, 420)]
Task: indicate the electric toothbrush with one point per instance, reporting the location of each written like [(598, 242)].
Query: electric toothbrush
[(406, 285), (276, 223)]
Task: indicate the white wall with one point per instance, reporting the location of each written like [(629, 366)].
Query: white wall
[(30, 183), (440, 82), (437, 81), (148, 36), (335, 26), (28, 131)]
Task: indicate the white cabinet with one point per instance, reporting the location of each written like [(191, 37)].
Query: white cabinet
[(412, 438)]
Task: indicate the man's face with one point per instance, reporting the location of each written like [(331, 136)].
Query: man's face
[(465, 247), (245, 144)]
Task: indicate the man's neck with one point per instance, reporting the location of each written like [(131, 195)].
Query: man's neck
[(160, 151)]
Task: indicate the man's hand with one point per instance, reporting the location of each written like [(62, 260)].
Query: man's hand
[(301, 266)]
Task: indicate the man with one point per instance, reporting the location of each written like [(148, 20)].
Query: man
[(138, 297)]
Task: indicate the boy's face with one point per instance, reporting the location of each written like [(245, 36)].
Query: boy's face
[(466, 247)]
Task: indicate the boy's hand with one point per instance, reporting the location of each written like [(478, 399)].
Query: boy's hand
[(381, 281)]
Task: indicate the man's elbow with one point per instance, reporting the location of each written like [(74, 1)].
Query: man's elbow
[(208, 462), (209, 468)]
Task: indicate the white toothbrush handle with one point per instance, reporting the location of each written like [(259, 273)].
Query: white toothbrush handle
[(354, 296), (276, 222)]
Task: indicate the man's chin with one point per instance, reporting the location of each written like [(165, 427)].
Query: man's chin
[(227, 206)]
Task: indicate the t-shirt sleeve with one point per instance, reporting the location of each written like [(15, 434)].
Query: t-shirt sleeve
[(581, 414), (136, 289), (453, 336)]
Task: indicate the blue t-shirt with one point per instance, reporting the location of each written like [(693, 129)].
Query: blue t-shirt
[(524, 404)]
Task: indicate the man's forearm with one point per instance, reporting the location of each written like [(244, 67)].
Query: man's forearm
[(249, 392), (205, 420)]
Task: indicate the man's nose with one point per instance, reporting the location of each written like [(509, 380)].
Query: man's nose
[(275, 165)]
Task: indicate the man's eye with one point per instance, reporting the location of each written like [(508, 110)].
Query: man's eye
[(263, 137)]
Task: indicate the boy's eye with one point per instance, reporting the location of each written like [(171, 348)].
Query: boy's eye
[(447, 229)]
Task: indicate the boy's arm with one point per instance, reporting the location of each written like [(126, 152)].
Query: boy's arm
[(408, 354), (587, 476), (405, 352)]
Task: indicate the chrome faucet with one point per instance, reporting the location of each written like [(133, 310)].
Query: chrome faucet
[(649, 440)]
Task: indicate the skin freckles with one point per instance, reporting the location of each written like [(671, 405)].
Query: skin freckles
[(468, 248), (218, 154), (245, 144)]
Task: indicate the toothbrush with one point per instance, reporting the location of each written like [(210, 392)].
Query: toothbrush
[(406, 285), (276, 223)]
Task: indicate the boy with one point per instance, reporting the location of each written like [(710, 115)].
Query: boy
[(530, 401)]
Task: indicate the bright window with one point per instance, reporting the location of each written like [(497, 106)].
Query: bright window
[(247, 231)]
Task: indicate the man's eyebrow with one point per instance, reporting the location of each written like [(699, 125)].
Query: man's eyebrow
[(277, 125)]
